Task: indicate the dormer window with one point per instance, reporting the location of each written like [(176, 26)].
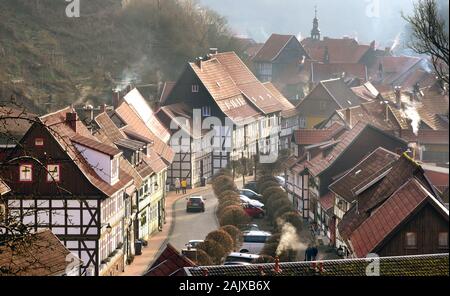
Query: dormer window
[(114, 168), (26, 173), (195, 88)]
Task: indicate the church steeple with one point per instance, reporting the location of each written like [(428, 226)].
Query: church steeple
[(315, 32)]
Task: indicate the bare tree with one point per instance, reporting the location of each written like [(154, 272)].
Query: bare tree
[(430, 35)]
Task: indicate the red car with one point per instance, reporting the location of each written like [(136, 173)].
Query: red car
[(252, 211)]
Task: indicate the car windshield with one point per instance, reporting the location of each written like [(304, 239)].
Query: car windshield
[(255, 239), (195, 199)]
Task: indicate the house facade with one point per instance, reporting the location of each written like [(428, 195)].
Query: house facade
[(309, 178), (73, 185), (220, 112), (397, 184)]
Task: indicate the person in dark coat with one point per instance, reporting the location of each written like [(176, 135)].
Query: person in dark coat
[(309, 253)]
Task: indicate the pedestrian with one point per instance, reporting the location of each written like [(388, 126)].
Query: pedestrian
[(308, 253), (314, 252), (177, 185), (184, 186)]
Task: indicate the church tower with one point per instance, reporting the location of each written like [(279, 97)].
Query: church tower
[(315, 32)]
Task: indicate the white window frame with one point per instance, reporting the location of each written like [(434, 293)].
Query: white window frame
[(195, 88), (50, 176)]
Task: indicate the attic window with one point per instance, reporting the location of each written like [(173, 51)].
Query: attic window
[(206, 111), (39, 142), (53, 173), (349, 102), (262, 98), (195, 88), (411, 240), (218, 84), (26, 173)]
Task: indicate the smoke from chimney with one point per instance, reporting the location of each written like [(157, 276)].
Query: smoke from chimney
[(289, 238)]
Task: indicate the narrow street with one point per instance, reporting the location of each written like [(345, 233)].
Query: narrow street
[(194, 225)]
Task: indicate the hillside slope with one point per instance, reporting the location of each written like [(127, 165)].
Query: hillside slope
[(51, 60)]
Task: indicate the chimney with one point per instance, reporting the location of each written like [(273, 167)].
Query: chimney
[(115, 99), (89, 112), (71, 120), (348, 117), (129, 87), (398, 96), (277, 268), (199, 62), (387, 51), (213, 51), (103, 108)]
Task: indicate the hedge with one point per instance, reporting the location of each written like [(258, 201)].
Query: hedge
[(269, 191), (223, 238), (223, 183), (203, 259), (236, 235), (233, 215), (213, 249)]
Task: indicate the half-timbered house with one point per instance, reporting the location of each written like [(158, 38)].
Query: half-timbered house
[(67, 181), (309, 178), (148, 170), (225, 114), (394, 211)]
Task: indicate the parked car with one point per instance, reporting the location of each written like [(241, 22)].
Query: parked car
[(249, 227), (239, 258), (251, 194), (254, 241), (251, 185), (195, 203), (245, 200), (192, 244), (254, 212)]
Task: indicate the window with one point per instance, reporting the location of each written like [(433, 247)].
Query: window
[(443, 239), (302, 122), (53, 173), (206, 111), (115, 168), (411, 240), (39, 142), (195, 88), (26, 173)]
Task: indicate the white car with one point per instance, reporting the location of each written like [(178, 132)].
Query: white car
[(254, 241), (255, 203), (192, 244), (234, 258)]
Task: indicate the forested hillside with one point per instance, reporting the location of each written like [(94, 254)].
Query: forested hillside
[(52, 60)]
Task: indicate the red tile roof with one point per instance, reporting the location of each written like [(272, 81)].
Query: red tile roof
[(439, 137), (327, 201), (316, 136), (135, 123), (365, 170), (95, 145), (109, 133), (319, 163), (344, 50), (63, 134), (273, 47), (366, 91), (375, 229), (169, 263), (321, 71), (225, 76), (42, 254), (386, 183)]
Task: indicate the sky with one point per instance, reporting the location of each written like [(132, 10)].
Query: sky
[(366, 20)]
